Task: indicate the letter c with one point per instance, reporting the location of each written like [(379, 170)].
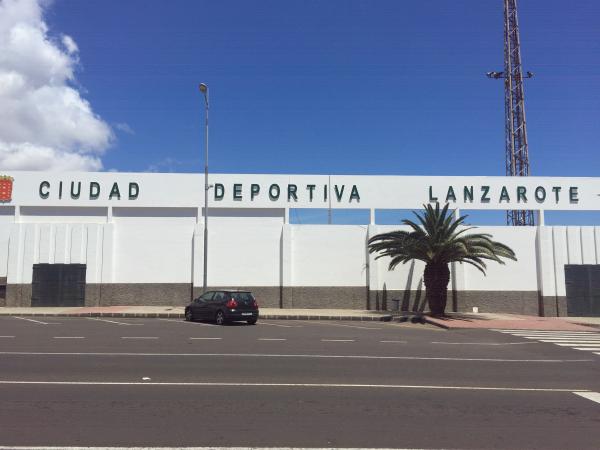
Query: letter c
[(44, 185)]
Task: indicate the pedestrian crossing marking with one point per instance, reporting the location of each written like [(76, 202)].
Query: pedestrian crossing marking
[(577, 340)]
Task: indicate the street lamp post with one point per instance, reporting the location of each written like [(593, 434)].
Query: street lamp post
[(204, 90)]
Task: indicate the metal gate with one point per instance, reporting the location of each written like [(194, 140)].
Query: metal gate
[(583, 290), (58, 285)]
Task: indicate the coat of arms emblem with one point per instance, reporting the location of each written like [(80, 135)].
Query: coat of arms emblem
[(6, 186)]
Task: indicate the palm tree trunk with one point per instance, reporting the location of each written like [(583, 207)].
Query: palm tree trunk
[(436, 277)]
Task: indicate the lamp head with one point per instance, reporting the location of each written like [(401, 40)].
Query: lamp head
[(203, 88)]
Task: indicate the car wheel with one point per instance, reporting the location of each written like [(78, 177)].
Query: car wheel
[(220, 318), (188, 315), (252, 321)]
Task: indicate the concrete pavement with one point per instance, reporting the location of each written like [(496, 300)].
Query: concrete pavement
[(454, 321), (178, 312)]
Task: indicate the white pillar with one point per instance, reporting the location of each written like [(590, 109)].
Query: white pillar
[(285, 267), (198, 254), (373, 266), (540, 218)]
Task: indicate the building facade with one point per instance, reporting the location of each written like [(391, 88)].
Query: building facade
[(99, 239)]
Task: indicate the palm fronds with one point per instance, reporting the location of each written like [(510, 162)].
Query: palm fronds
[(436, 238)]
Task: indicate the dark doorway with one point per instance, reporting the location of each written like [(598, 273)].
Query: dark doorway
[(58, 285), (583, 290)]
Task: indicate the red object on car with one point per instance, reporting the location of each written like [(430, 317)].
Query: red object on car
[(231, 304)]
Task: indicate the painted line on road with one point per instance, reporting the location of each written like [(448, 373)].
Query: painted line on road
[(592, 349), (112, 321), (572, 341), (393, 342), (561, 338), (186, 322), (37, 321), (68, 337), (593, 396), (484, 343), (545, 331), (541, 331), (578, 344), (279, 325), (274, 355), (206, 338), (300, 385), (337, 340), (7, 337), (139, 337), (271, 339), (12, 447), (346, 326)]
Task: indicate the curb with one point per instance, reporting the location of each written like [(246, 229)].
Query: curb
[(381, 318)]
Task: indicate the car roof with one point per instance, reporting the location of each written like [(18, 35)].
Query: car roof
[(228, 290)]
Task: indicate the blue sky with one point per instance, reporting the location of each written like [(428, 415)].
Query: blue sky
[(344, 87), (383, 87)]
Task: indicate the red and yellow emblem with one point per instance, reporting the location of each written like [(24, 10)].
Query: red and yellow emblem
[(6, 187)]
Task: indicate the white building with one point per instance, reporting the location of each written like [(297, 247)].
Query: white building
[(137, 238)]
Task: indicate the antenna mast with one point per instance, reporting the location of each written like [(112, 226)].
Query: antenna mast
[(517, 151)]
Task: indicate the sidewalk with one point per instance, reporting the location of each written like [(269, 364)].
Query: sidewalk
[(177, 312), (455, 321)]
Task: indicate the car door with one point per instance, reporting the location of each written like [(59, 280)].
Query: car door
[(217, 302), (202, 305)]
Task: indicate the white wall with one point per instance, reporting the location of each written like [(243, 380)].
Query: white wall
[(153, 245), (328, 255), (162, 245), (520, 275), (243, 251), (6, 219), (565, 245)]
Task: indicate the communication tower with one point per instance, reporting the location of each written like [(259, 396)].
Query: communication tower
[(517, 151)]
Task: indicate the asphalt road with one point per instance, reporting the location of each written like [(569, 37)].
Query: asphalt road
[(165, 382)]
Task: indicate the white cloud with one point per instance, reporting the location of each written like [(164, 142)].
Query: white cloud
[(45, 124), (124, 127)]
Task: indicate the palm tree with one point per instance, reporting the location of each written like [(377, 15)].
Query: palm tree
[(437, 241)]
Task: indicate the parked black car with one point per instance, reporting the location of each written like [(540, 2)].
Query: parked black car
[(223, 306)]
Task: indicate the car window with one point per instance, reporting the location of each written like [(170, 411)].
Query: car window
[(242, 297), (219, 297), (206, 297)]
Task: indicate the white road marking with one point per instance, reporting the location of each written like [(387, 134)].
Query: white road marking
[(271, 339), (38, 321), (206, 338), (279, 325), (346, 326), (587, 348), (112, 321), (275, 355), (572, 341), (69, 337), (301, 385), (185, 448), (139, 337), (186, 322), (484, 343), (542, 331), (7, 337), (579, 344), (393, 342), (546, 331), (560, 336), (337, 340), (593, 396)]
